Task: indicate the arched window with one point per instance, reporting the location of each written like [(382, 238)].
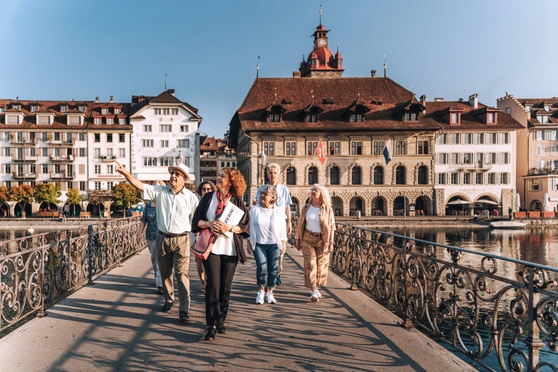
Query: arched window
[(356, 178), (422, 175), (312, 175), (400, 175), (378, 175), (334, 178), (291, 176)]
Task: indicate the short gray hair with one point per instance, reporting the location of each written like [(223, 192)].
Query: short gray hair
[(274, 165)]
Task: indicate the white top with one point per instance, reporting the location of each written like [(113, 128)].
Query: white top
[(224, 244), (174, 211), (313, 219), (267, 225)]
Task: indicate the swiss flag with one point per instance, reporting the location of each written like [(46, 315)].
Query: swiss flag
[(320, 152)]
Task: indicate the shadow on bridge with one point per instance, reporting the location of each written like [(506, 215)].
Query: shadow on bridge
[(116, 325)]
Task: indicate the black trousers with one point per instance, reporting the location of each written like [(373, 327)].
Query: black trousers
[(219, 271)]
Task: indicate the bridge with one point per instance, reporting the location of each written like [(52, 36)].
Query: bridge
[(116, 325)]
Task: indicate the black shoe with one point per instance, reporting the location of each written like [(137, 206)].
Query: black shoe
[(209, 334), (167, 306), (221, 329), (183, 317)]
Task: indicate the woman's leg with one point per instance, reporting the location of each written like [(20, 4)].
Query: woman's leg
[(273, 257), (260, 255), (228, 268), (201, 272), (213, 279), (310, 264)]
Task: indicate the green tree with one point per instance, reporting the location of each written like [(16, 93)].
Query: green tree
[(3, 194), (125, 195), (74, 198), (47, 193), (22, 195)]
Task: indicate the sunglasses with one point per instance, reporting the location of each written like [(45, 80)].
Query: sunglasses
[(176, 174)]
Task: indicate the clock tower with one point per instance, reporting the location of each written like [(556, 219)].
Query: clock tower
[(321, 62)]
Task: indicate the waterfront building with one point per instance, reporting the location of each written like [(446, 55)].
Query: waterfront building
[(164, 135), (474, 156), (352, 121), (537, 150)]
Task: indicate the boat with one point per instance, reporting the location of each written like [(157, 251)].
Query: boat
[(507, 225)]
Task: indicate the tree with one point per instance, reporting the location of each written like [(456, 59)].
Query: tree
[(47, 193), (125, 195), (22, 195), (74, 198), (3, 194)]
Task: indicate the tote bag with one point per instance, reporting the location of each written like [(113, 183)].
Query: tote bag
[(204, 244)]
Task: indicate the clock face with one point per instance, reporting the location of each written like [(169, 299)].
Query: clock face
[(322, 42)]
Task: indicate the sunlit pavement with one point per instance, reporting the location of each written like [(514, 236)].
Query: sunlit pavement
[(117, 325)]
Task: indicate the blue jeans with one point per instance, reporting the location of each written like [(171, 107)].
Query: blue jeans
[(267, 265)]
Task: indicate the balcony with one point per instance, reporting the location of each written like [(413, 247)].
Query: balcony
[(24, 159), (61, 143), (24, 176), (61, 176), (24, 141), (480, 166), (107, 158), (62, 158)]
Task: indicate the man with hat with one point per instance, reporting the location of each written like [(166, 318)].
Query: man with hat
[(175, 206)]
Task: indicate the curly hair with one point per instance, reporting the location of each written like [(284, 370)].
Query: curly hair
[(238, 184), (202, 184)]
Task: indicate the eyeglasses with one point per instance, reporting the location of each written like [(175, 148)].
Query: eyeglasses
[(176, 174)]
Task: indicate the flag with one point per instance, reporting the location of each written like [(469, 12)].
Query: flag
[(320, 152), (387, 154)]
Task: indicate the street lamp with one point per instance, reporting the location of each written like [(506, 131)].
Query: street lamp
[(179, 159), (261, 163)]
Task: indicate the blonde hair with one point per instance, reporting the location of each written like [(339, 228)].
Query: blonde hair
[(326, 199)]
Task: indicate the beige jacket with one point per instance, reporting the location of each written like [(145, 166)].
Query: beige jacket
[(327, 226)]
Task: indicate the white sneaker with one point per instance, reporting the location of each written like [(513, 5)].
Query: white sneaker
[(269, 298), (318, 293), (260, 297), (314, 296)]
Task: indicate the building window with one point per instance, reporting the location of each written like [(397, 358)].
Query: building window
[(505, 158), (184, 129), (356, 148), (166, 111), (505, 137), (311, 147), (334, 148), (183, 143), (540, 150), (454, 158), (109, 137), (117, 110), (97, 152), (97, 120), (441, 178), (491, 178), (291, 176), (110, 169), (504, 178), (442, 158), (150, 162), (290, 148), (147, 128), (378, 175), (110, 121), (164, 143), (104, 110), (455, 138), (544, 119), (467, 158), (492, 138), (378, 147), (400, 175), (165, 128), (274, 118), (442, 139), (312, 117), (44, 151), (491, 118), (466, 178), (400, 148), (423, 148), (312, 175), (422, 175), (454, 178), (356, 176), (63, 108), (479, 178), (156, 111), (467, 138), (491, 158), (480, 138), (334, 178), (166, 161), (121, 153), (356, 118), (410, 116), (121, 137), (147, 143), (97, 169), (97, 185), (97, 137), (122, 121), (455, 118), (269, 148)]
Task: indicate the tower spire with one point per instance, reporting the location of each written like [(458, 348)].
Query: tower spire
[(258, 68), (320, 13), (165, 82)]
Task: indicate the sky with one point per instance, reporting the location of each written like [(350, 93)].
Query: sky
[(208, 50)]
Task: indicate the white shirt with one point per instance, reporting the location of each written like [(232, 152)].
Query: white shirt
[(174, 211), (267, 225), (313, 219)]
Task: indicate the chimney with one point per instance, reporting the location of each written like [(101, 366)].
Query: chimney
[(474, 100), (423, 100), (296, 74), (438, 99), (373, 73), (96, 99), (111, 99), (171, 91)]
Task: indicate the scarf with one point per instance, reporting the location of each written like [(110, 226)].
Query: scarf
[(222, 201)]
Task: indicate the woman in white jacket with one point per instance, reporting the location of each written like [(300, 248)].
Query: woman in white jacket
[(268, 240)]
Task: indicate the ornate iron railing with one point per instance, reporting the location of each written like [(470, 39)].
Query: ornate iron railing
[(36, 271), (501, 312)]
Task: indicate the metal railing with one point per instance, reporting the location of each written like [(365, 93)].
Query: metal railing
[(37, 271), (498, 311)]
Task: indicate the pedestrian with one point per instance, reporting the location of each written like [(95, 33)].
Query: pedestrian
[(175, 208), (148, 222), (227, 250), (283, 200), (314, 236), (268, 241), (203, 188)]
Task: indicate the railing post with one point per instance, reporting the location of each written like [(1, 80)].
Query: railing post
[(90, 245), (41, 312), (407, 321), (533, 341)]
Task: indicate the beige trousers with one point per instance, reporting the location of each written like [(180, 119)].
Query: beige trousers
[(316, 262)]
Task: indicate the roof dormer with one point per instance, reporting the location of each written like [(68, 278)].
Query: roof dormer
[(452, 115), (274, 113), (64, 107)]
